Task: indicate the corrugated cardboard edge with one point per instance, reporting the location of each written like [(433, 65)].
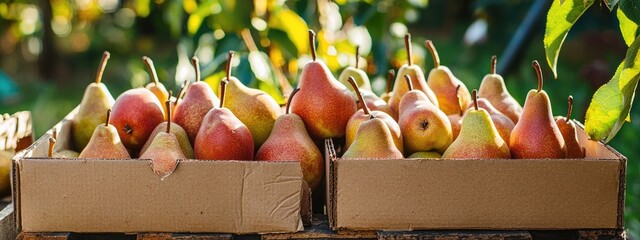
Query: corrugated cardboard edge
[(331, 179), (623, 177)]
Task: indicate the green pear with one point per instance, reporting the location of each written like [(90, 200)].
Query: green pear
[(536, 135), (424, 126), (478, 137), (176, 130), (569, 133), (361, 78), (92, 109), (105, 143), (373, 140), (503, 124), (365, 114), (165, 149), (493, 89), (289, 140), (324, 104), (418, 81), (450, 91), (255, 108)]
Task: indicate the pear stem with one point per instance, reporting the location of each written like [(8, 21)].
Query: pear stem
[(223, 89), (458, 99), (390, 76), (288, 110), (494, 62), (536, 67), (407, 46), (474, 96), (152, 69), (229, 60), (357, 56), (54, 134), (103, 64), (106, 122), (407, 78), (195, 62), (365, 108), (312, 44), (181, 92), (168, 103), (52, 142), (570, 107), (434, 53)]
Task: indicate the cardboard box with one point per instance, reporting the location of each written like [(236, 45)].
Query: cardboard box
[(100, 196), (367, 194)]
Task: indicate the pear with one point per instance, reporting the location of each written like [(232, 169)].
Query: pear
[(222, 136), (365, 114), (165, 149), (375, 103), (387, 93), (255, 108), (324, 104), (493, 89), (536, 135), (373, 140), (456, 119), (417, 79), (105, 143), (289, 140), (65, 153), (155, 86), (478, 137), (425, 155), (91, 111), (176, 130), (570, 133), (445, 85), (424, 126), (503, 124), (198, 100), (362, 80), (136, 113)]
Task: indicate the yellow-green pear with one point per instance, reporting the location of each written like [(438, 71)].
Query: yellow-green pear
[(176, 130), (493, 89), (365, 114), (105, 143), (445, 85), (425, 155), (387, 93), (362, 80), (255, 108), (373, 140), (92, 109), (536, 135), (156, 87), (165, 149), (418, 81), (478, 137), (424, 126)]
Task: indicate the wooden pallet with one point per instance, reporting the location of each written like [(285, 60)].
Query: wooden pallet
[(320, 230)]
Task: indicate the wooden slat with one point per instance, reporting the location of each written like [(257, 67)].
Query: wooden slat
[(45, 236), (320, 229), (181, 236), (454, 235)]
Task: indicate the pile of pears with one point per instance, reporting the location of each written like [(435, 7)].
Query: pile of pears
[(418, 117)]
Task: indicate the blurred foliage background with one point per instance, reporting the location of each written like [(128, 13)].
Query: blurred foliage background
[(50, 49)]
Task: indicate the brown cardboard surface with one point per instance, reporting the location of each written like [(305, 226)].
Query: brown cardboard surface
[(79, 195), (478, 193)]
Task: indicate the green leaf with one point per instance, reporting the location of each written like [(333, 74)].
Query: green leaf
[(628, 28), (295, 27), (560, 19), (204, 10), (142, 8), (173, 16), (611, 104), (282, 39), (631, 9)]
